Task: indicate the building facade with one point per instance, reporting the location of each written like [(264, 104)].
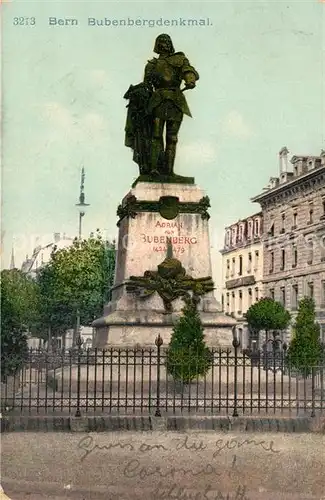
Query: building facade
[(242, 270), (293, 209), (41, 254)]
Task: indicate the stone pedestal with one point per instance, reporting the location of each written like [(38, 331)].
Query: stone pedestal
[(149, 214)]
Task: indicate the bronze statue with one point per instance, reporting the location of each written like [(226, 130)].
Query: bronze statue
[(157, 105)]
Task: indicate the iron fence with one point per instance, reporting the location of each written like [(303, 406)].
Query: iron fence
[(139, 381)]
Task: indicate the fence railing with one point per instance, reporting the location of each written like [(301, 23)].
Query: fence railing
[(140, 381)]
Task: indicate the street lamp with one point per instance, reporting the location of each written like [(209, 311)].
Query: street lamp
[(236, 344), (81, 205)]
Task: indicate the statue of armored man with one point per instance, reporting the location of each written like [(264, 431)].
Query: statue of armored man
[(156, 108)]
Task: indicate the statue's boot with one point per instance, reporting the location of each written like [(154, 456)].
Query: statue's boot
[(170, 158), (156, 151)]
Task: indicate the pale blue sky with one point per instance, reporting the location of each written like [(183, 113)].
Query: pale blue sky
[(261, 87)]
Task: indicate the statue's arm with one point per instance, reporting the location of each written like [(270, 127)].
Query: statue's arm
[(148, 73), (189, 74)]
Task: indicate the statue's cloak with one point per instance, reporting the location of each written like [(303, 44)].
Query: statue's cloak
[(138, 128)]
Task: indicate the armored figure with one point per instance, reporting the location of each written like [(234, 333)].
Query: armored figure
[(156, 106)]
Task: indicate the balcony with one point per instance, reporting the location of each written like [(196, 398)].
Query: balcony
[(243, 281)]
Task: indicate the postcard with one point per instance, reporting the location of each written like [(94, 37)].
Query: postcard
[(162, 244)]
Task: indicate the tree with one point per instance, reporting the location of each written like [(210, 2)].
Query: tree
[(305, 350), (188, 357), (19, 314), (268, 315), (77, 279)]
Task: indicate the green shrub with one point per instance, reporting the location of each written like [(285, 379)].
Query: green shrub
[(305, 350), (187, 355)]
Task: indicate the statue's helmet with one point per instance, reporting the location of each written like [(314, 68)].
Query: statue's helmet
[(164, 41)]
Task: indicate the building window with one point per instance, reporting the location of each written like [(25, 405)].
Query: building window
[(271, 293), (256, 260), (227, 303), (310, 289), (250, 297), (236, 234), (283, 259), (283, 296), (295, 219), (233, 302), (241, 232), (271, 230), (294, 255), (228, 268), (59, 343), (294, 304), (322, 333), (311, 214), (323, 205), (271, 261), (240, 265), (322, 249), (256, 294), (250, 228), (233, 237), (256, 227), (283, 218), (310, 251), (249, 267), (233, 266), (323, 294), (240, 302)]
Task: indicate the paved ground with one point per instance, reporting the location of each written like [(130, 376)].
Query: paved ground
[(153, 465)]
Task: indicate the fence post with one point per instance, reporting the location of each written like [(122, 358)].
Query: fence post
[(158, 342), (236, 344), (312, 392), (79, 344)]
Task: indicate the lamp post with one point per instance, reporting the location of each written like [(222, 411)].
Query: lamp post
[(236, 344), (81, 205)]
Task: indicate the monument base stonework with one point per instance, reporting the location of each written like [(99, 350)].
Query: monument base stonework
[(127, 329), (152, 214)]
